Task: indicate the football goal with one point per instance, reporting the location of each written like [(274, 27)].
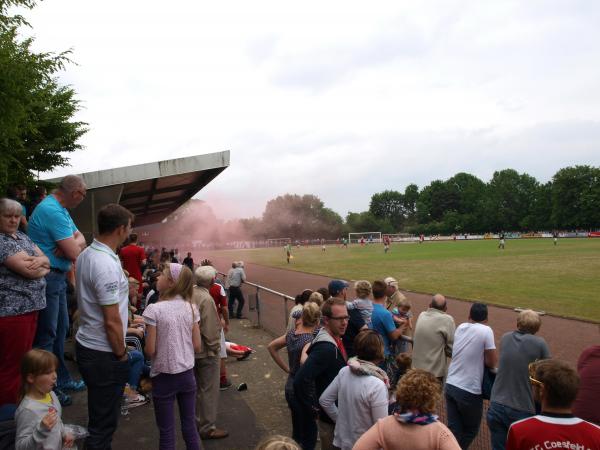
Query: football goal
[(368, 237), (278, 242)]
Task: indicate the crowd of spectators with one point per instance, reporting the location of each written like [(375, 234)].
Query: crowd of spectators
[(361, 374), (363, 378)]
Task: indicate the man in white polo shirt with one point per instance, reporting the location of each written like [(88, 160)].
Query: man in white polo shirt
[(102, 298)]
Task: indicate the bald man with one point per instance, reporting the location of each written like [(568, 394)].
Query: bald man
[(433, 338)]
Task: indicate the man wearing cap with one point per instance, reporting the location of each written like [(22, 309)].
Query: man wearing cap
[(433, 338), (394, 296), (356, 323)]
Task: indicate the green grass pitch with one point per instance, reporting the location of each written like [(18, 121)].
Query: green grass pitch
[(529, 273)]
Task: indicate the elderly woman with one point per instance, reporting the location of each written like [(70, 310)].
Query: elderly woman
[(512, 398), (413, 425), (22, 294)]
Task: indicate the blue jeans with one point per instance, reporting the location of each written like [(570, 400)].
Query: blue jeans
[(464, 414), (53, 323), (499, 419), (136, 367)]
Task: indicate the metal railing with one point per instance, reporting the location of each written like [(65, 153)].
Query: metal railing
[(258, 296)]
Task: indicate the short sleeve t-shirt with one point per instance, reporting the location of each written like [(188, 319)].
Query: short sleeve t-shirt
[(132, 257), (466, 369), (383, 323), (50, 223), (553, 432), (218, 294), (173, 320), (19, 295), (100, 282), (511, 387)]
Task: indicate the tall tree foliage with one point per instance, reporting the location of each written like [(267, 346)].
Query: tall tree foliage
[(36, 111), (300, 217), (576, 197)]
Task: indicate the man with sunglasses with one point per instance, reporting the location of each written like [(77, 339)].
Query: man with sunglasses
[(326, 357), (554, 384), (54, 232)]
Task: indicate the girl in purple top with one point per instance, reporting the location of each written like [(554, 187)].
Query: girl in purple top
[(173, 335)]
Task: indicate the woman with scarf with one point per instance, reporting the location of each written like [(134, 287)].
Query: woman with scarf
[(361, 391), (413, 425)]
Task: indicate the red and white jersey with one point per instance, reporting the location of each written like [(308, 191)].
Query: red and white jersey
[(546, 432)]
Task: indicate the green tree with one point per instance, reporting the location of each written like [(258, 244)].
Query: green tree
[(510, 198), (366, 221), (390, 206), (576, 197), (411, 196), (36, 111), (435, 200), (300, 217)]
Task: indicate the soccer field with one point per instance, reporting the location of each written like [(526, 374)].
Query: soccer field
[(529, 273)]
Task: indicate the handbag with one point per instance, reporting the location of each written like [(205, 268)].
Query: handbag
[(487, 383)]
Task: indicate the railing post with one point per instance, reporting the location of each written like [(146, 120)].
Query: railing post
[(258, 306), (285, 311)]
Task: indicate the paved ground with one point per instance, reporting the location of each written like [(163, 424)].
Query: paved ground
[(237, 410)]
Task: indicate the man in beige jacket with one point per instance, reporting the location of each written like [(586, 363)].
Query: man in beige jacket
[(207, 364), (433, 338)]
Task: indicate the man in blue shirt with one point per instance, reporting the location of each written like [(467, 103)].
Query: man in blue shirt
[(383, 322), (53, 230)]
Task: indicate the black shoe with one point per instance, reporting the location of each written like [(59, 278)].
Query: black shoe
[(245, 356), (226, 385)]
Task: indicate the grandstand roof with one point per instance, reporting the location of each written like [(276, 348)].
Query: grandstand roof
[(151, 191)]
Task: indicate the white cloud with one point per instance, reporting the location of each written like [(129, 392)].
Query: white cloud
[(339, 99)]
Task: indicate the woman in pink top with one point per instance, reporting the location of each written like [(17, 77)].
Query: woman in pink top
[(173, 334), (413, 425)]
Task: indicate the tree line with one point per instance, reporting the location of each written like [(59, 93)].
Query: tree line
[(509, 201)]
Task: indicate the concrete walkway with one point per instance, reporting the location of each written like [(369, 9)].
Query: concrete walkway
[(248, 415)]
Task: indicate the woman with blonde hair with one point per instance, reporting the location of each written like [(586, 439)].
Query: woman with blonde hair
[(277, 442), (22, 295), (413, 425), (173, 335), (304, 428)]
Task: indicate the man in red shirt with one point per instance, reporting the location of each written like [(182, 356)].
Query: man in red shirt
[(217, 292), (554, 385), (133, 257)]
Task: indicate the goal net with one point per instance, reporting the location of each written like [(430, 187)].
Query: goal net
[(369, 237), (278, 242)]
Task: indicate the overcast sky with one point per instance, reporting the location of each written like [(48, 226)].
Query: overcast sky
[(339, 99)]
